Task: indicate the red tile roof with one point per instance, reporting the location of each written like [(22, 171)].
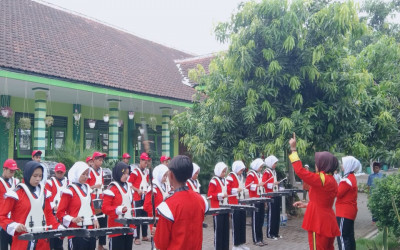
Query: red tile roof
[(186, 64), (40, 39)]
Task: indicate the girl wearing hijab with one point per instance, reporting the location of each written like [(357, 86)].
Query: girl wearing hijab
[(255, 185), (217, 193), (346, 203), (29, 204), (76, 208), (118, 203), (193, 183), (235, 188), (319, 218)]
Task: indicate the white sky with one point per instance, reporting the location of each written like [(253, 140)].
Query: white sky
[(186, 25)]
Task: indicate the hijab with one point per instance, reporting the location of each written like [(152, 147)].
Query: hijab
[(158, 173), (118, 171), (195, 169), (29, 168), (350, 164), (271, 160), (76, 171), (256, 164), (326, 162), (237, 166), (219, 167)]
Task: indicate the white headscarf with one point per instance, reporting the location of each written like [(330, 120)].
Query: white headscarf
[(350, 164), (195, 169), (77, 170), (270, 161), (256, 164), (219, 167), (237, 166), (158, 174)]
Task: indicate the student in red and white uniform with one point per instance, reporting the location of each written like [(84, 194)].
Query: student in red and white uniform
[(96, 183), (139, 178), (118, 203), (76, 207), (255, 185), (56, 185), (29, 205), (180, 224), (193, 183), (165, 160), (346, 203), (319, 218), (274, 208), (7, 183), (217, 193), (126, 158), (235, 186)]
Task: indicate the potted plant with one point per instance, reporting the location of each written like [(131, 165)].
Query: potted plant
[(77, 117), (120, 123), (6, 112), (92, 123), (49, 120), (106, 118), (24, 123), (131, 114), (153, 123)]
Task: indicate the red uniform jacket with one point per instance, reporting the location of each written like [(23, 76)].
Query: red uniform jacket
[(252, 177), (51, 186), (112, 200), (136, 179), (92, 181), (158, 198), (69, 207), (319, 216), (267, 175), (181, 222), (232, 187), (191, 182), (3, 189), (215, 192), (19, 205), (346, 202)]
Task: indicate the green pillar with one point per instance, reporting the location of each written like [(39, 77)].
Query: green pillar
[(113, 129), (166, 137), (77, 125), (39, 132), (4, 132), (131, 140)]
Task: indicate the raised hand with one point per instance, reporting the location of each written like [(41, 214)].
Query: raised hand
[(292, 142)]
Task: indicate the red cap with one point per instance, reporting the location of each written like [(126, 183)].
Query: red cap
[(10, 164), (165, 158), (60, 167), (89, 158), (36, 152), (144, 156), (126, 156), (98, 154)]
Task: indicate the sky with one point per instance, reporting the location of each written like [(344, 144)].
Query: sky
[(186, 25)]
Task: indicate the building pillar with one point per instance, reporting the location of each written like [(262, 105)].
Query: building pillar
[(113, 105), (39, 130), (4, 131), (131, 140), (165, 134)]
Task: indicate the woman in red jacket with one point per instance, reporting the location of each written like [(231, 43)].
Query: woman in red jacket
[(319, 219), (346, 203), (76, 207), (193, 183), (25, 205)]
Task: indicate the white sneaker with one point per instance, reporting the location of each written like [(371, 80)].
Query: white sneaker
[(236, 248), (243, 247)]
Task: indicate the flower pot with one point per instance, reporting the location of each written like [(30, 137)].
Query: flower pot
[(49, 120), (106, 118), (120, 123), (92, 123), (24, 123), (131, 114), (6, 112)]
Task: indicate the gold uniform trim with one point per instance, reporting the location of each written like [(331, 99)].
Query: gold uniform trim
[(293, 157), (322, 177)]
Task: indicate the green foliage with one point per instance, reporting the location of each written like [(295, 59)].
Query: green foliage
[(377, 242)]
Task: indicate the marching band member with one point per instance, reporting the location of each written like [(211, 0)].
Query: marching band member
[(236, 187), (346, 203), (7, 183), (319, 218), (274, 208), (56, 185), (193, 183), (118, 204), (96, 183), (180, 224), (139, 179), (76, 207), (126, 158), (30, 208), (255, 186), (218, 194)]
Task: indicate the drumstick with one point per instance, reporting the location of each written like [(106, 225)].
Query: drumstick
[(134, 208), (249, 184), (44, 227), (283, 179)]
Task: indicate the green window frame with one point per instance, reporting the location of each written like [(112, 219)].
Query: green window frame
[(23, 139)]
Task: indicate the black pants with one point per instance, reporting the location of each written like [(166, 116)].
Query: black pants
[(103, 224), (140, 213), (123, 242), (5, 239), (257, 221), (79, 243), (274, 217), (221, 231), (239, 227), (346, 241), (56, 244)]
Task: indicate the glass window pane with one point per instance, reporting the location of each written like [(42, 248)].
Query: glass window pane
[(59, 133), (25, 139)]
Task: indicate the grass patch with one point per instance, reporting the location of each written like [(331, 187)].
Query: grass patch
[(376, 242)]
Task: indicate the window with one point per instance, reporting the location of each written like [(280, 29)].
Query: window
[(97, 137), (56, 134), (23, 139)]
